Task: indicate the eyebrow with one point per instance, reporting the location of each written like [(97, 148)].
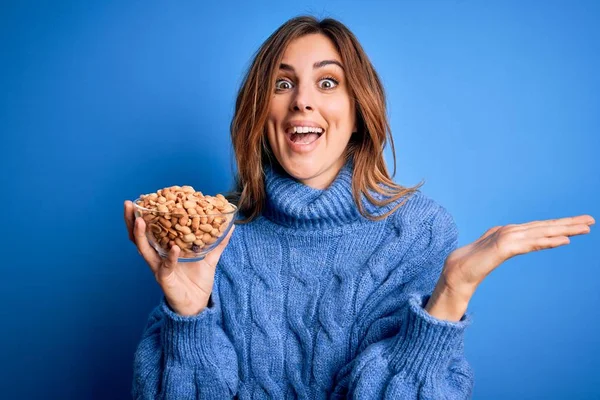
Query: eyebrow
[(318, 64)]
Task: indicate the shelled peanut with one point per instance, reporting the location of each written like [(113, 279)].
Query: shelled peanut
[(182, 216)]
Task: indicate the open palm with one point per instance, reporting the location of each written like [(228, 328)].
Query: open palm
[(467, 266)]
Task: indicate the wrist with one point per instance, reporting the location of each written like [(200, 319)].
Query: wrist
[(447, 303), (189, 310)]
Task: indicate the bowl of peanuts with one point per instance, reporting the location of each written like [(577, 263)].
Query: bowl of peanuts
[(182, 216)]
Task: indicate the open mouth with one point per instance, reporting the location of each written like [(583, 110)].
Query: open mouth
[(304, 135)]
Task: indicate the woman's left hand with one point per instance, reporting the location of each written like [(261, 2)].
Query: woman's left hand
[(466, 267)]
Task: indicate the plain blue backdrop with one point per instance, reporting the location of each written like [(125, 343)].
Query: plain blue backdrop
[(494, 104)]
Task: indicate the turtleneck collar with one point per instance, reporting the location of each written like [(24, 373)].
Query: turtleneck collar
[(293, 204)]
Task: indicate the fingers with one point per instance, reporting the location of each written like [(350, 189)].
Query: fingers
[(556, 230), (213, 257), (129, 217), (169, 264), (549, 243), (580, 219), (539, 238), (147, 251)]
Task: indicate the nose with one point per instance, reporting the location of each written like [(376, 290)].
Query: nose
[(301, 106), (302, 100)]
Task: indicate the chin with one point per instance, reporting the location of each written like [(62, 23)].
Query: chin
[(301, 169)]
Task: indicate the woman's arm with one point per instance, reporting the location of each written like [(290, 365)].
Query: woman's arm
[(421, 356), (185, 357), (467, 267), (424, 359)]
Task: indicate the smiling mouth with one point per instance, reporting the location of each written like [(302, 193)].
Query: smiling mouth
[(304, 137)]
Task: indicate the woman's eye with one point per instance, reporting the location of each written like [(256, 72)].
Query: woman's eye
[(327, 83), (282, 84)]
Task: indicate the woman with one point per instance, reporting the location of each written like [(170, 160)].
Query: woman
[(337, 283)]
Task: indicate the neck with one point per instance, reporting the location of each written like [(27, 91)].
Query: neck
[(324, 179)]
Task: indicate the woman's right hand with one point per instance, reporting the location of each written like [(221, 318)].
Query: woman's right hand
[(187, 286)]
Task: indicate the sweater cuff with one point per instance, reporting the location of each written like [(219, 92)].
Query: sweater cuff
[(424, 343), (187, 340)]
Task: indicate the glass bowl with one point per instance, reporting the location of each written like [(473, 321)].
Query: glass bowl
[(195, 234)]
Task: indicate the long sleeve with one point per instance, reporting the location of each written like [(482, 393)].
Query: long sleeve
[(416, 356), (185, 357)]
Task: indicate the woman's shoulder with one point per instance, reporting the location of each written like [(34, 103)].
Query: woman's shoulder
[(426, 228), (419, 210)]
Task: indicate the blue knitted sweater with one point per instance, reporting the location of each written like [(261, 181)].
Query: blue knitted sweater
[(314, 301)]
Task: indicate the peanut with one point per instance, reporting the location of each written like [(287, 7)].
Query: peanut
[(206, 228), (165, 222), (189, 204), (189, 238), (179, 212), (195, 223), (182, 245), (182, 216), (184, 229), (187, 189)]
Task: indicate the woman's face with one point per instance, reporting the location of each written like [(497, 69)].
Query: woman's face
[(311, 115)]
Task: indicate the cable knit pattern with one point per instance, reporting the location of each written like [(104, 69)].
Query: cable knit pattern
[(314, 301)]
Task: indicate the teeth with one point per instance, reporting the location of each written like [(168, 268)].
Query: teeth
[(305, 129)]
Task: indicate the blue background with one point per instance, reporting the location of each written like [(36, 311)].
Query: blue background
[(494, 104)]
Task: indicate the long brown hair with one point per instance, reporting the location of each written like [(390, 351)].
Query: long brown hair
[(366, 146)]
